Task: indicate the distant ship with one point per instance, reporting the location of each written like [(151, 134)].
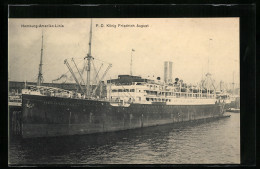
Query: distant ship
[(15, 100), (131, 102)]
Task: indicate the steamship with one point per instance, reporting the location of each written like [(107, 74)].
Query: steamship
[(131, 102)]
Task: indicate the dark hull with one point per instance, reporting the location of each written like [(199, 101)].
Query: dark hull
[(14, 115), (233, 110), (51, 116), (234, 104), (13, 108)]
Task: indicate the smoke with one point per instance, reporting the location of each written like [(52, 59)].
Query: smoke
[(61, 77)]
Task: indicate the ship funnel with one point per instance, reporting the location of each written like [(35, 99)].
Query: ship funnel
[(167, 71), (170, 72)]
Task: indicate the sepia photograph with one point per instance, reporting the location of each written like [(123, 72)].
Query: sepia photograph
[(124, 91)]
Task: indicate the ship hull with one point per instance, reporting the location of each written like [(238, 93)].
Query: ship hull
[(14, 116), (44, 116)]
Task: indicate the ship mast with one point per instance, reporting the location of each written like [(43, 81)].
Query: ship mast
[(131, 63), (40, 77), (233, 84), (208, 75), (209, 54), (89, 57)]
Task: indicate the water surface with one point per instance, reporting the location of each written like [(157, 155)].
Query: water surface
[(216, 142)]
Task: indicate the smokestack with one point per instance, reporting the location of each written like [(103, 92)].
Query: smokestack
[(170, 72), (220, 85), (165, 72)]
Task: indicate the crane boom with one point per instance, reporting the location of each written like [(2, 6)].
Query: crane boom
[(97, 72), (72, 73), (109, 66), (78, 72)]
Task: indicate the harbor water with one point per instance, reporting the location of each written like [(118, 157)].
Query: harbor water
[(215, 142)]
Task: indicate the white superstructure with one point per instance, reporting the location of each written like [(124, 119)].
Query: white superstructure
[(149, 93)]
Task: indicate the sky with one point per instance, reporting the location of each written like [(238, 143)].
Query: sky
[(194, 45)]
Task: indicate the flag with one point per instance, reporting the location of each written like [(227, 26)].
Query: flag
[(133, 50)]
